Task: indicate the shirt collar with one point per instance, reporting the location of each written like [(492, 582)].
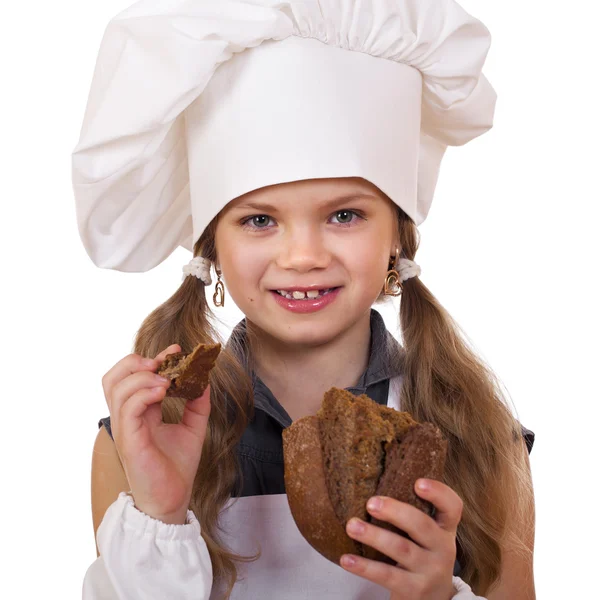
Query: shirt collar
[(385, 360)]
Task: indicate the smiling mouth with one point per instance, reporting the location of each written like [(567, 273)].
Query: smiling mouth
[(308, 295)]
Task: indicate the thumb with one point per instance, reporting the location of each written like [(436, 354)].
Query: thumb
[(196, 414)]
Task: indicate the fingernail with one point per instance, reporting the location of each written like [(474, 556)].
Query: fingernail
[(162, 379), (348, 561), (374, 504), (355, 526), (424, 485), (148, 362)]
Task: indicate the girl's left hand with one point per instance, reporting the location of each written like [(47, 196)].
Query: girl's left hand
[(425, 565)]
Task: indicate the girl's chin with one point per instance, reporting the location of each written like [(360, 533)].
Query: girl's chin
[(314, 329), (307, 337)]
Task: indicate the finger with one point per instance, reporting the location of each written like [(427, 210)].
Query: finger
[(132, 363), (448, 504), (422, 529), (387, 576), (139, 405), (196, 413), (126, 388), (405, 552), (172, 349)]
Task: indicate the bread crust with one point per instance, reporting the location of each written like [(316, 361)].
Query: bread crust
[(188, 372), (304, 463)]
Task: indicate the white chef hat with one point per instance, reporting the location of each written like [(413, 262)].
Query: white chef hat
[(196, 102)]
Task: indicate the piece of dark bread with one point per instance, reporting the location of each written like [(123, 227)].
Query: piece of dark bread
[(420, 454), (188, 372), (350, 431), (351, 450)]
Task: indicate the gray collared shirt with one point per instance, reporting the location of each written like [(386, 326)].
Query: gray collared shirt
[(260, 450), (384, 363)]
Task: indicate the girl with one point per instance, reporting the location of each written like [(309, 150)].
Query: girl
[(293, 147)]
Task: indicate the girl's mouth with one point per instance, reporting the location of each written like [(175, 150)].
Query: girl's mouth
[(310, 295), (305, 302)]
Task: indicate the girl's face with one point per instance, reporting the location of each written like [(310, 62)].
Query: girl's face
[(306, 237)]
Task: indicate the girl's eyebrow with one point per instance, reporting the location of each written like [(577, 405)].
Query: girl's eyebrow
[(263, 206)]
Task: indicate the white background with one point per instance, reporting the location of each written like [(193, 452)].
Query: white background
[(509, 247)]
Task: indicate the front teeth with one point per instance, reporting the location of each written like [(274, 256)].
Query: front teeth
[(312, 294)]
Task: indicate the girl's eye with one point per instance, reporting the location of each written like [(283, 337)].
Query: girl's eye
[(345, 217), (256, 222)]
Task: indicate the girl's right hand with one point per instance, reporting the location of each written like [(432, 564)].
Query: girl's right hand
[(160, 459)]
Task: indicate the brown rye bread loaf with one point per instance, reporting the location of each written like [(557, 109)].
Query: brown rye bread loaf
[(188, 372), (335, 461)]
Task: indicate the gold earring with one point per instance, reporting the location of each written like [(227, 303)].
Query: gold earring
[(393, 285), (219, 295)]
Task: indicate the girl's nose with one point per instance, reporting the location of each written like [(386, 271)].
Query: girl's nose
[(302, 252)]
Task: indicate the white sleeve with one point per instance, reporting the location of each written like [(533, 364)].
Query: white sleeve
[(463, 590), (142, 558)]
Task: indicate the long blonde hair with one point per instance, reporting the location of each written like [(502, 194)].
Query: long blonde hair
[(444, 383)]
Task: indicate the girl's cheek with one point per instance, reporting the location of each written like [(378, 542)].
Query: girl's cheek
[(367, 267), (245, 271), (250, 265)]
